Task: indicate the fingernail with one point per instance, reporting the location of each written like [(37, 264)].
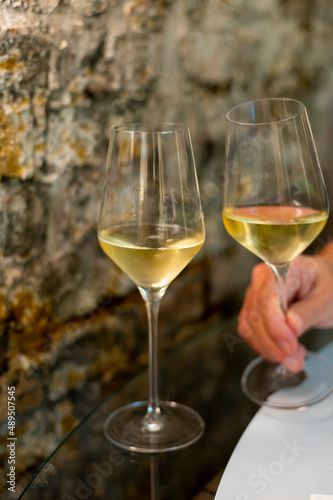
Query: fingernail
[(285, 346), (292, 364)]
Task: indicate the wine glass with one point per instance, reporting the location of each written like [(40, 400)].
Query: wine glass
[(275, 205), (151, 225)]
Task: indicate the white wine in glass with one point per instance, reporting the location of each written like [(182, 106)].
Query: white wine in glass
[(276, 234), (151, 225), (164, 259), (275, 205)]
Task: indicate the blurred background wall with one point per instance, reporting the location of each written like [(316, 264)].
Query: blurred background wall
[(73, 328)]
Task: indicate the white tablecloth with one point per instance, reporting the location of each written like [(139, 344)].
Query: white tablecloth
[(283, 454)]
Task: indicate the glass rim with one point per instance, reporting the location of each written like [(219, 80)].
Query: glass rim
[(150, 127), (277, 99)]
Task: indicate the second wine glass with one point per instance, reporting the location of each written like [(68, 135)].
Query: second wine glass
[(151, 225), (275, 205)]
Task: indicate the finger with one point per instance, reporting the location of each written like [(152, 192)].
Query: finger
[(310, 311), (261, 292), (263, 276), (262, 323), (295, 362), (268, 334)]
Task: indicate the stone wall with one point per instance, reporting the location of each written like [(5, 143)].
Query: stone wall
[(71, 323)]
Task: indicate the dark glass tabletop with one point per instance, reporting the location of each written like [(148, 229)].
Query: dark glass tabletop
[(203, 373)]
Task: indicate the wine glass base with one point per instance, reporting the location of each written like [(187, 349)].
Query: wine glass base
[(180, 427), (271, 384)]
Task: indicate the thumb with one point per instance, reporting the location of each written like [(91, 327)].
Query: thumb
[(295, 322), (301, 277), (304, 314)]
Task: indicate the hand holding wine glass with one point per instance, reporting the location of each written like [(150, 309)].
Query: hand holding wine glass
[(275, 205), (310, 297), (151, 225)]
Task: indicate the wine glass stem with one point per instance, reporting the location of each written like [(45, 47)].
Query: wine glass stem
[(280, 273), (152, 297)]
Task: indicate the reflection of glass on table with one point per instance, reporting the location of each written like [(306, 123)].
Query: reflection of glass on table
[(202, 373)]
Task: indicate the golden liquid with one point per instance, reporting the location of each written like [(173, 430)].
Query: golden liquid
[(151, 255), (276, 234)]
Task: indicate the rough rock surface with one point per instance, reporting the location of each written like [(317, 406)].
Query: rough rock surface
[(70, 69)]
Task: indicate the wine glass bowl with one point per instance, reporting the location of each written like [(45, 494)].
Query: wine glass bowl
[(151, 225), (275, 205)]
